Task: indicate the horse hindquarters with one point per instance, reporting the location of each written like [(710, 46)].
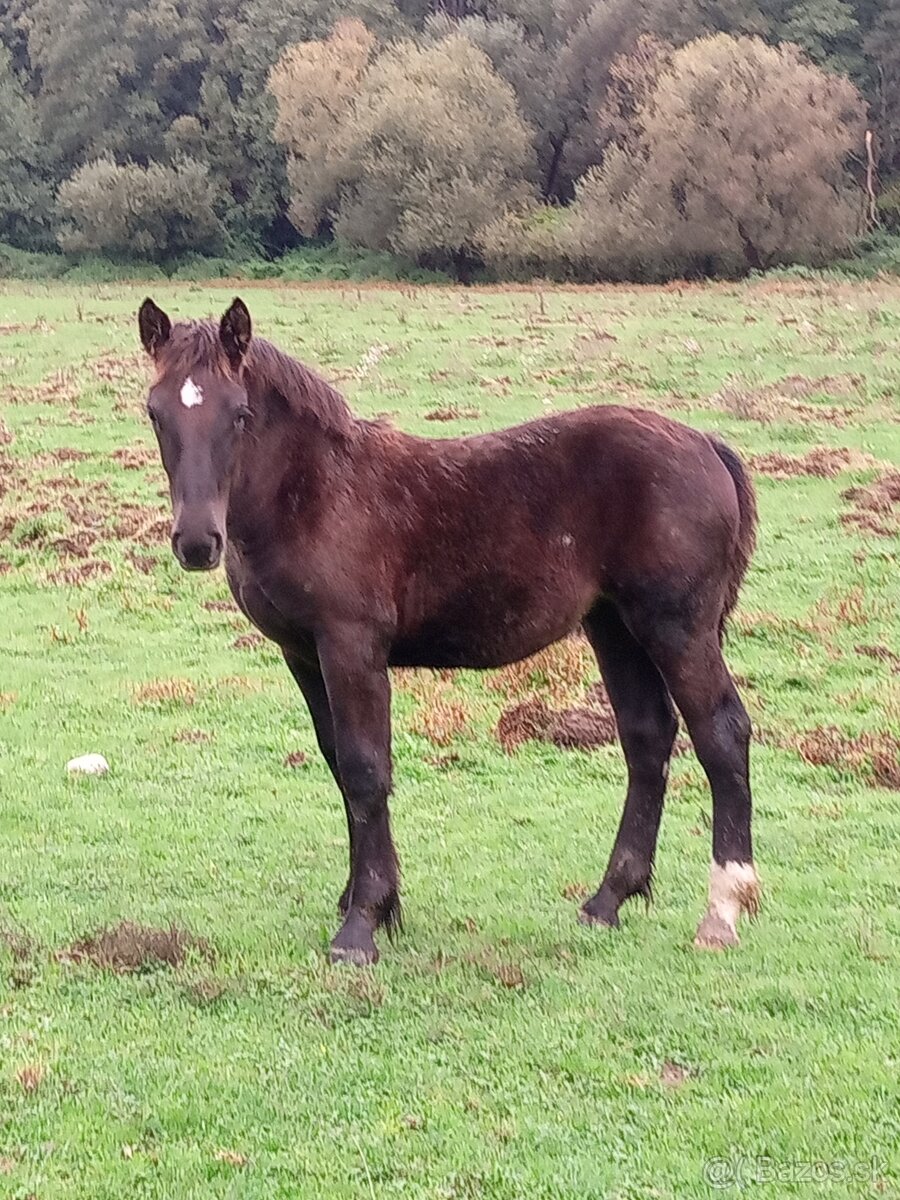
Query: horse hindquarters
[(673, 648)]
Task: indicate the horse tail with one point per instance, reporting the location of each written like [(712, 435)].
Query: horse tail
[(746, 541)]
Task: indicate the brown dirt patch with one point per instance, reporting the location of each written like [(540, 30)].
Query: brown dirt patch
[(58, 388), (130, 947), (296, 758), (19, 944), (77, 546), (673, 1074), (489, 962), (576, 891), (134, 458), (220, 606), (231, 1158), (30, 1077), (92, 569), (38, 326), (123, 377), (141, 524), (42, 509), (823, 462), (875, 506), (65, 454), (442, 762), (6, 437), (146, 564), (532, 720), (582, 729)]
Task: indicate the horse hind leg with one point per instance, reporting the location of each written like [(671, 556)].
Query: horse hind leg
[(689, 657), (647, 726)]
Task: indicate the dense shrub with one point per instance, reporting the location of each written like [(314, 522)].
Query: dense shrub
[(739, 162), (155, 211), (417, 187), (528, 243)]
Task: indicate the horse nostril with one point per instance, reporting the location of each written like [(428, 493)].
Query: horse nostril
[(198, 552)]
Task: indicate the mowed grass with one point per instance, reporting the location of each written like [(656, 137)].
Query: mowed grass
[(499, 1049)]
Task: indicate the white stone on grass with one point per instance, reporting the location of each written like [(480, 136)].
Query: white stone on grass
[(88, 764)]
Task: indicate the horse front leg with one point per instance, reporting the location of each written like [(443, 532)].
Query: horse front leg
[(356, 680), (308, 678)]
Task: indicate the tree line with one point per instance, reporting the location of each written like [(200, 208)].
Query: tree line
[(578, 138)]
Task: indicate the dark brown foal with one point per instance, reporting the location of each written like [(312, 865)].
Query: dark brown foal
[(356, 548)]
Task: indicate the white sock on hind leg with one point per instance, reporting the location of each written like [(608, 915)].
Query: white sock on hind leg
[(733, 888)]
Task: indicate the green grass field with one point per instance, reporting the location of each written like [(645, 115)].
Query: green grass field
[(499, 1049)]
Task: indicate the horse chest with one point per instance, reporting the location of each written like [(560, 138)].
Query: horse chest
[(283, 613)]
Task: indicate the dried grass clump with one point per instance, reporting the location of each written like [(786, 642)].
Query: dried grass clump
[(442, 716), (779, 401), (881, 654), (875, 506), (130, 947), (452, 412), (166, 691), (560, 671), (134, 458), (875, 756), (85, 572), (822, 462)]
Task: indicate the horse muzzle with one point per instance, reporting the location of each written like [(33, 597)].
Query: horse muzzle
[(198, 552)]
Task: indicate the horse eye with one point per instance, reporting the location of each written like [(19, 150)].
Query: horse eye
[(241, 418)]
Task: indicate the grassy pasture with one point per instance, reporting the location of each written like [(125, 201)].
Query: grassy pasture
[(499, 1050)]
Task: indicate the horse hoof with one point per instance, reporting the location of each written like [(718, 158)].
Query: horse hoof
[(715, 934), (610, 921), (353, 956)]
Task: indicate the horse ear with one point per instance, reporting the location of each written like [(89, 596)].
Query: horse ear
[(155, 327), (235, 331)]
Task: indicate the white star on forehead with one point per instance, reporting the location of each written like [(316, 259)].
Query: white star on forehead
[(190, 393)]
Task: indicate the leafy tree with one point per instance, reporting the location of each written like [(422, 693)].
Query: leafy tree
[(26, 199), (155, 211), (114, 76), (826, 29), (741, 163), (883, 49), (556, 55), (314, 85), (425, 187)]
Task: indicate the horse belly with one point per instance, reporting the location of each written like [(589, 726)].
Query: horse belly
[(490, 623)]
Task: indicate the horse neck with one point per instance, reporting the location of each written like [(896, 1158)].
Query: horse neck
[(298, 447)]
